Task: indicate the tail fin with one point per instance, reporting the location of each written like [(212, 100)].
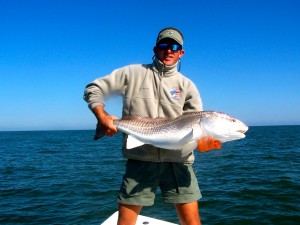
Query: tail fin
[(99, 133)]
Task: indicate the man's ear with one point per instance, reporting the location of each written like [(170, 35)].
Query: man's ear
[(181, 53)]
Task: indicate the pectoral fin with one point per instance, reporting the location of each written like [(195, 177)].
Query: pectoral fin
[(192, 144), (132, 142), (197, 131)]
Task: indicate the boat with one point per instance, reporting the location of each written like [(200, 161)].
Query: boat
[(141, 220)]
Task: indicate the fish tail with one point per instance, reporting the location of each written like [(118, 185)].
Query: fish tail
[(99, 133)]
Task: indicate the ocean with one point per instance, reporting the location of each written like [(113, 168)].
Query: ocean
[(64, 177)]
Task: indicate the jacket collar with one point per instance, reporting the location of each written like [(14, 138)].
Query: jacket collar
[(162, 69)]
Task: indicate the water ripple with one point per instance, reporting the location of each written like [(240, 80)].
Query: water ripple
[(64, 177)]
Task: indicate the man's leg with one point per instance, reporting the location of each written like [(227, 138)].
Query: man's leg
[(128, 214), (188, 213)]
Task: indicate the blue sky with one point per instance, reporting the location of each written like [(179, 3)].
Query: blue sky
[(244, 56)]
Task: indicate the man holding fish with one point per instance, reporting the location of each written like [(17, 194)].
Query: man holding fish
[(153, 90)]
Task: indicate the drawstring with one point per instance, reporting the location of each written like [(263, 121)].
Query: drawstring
[(179, 65)]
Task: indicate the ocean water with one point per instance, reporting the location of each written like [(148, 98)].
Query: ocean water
[(64, 177)]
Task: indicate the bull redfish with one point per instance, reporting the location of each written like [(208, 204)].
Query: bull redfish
[(180, 133)]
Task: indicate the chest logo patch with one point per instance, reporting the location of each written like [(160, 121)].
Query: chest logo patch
[(175, 94)]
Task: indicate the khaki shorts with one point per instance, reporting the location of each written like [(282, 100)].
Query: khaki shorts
[(177, 182)]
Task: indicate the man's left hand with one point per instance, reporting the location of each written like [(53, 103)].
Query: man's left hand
[(208, 143)]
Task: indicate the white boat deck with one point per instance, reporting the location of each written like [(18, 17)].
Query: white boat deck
[(141, 220)]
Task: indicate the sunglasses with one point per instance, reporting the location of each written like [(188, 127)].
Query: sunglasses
[(173, 47)]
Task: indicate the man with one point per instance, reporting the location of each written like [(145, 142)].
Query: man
[(152, 90)]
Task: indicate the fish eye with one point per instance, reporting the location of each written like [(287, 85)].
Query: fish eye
[(233, 120)]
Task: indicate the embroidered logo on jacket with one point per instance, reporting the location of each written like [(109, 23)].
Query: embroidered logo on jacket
[(175, 94)]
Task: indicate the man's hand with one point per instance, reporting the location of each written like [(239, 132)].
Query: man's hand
[(208, 143), (105, 124)]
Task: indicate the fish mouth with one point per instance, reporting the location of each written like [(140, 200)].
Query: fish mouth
[(238, 134), (242, 131)]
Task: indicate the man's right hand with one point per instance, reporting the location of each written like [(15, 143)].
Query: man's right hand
[(105, 122)]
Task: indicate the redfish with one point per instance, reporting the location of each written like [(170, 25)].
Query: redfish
[(181, 133)]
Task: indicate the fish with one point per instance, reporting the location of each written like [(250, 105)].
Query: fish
[(181, 133)]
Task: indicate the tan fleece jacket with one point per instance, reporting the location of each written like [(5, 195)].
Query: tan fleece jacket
[(150, 90)]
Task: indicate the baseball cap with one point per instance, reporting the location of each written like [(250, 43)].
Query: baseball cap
[(170, 33)]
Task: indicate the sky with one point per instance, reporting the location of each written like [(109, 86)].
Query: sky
[(243, 56)]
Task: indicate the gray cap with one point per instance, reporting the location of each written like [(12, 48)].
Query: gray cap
[(170, 33)]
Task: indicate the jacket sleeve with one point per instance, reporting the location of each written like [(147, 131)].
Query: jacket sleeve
[(97, 91), (193, 100)]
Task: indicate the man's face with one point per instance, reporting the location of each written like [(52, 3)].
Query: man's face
[(167, 53)]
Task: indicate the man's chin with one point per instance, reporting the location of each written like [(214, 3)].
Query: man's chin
[(168, 62)]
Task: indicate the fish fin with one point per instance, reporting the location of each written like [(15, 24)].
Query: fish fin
[(160, 119), (99, 133), (188, 148), (197, 132), (144, 118), (131, 117), (132, 142)]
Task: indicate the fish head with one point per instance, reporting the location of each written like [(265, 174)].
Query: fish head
[(223, 127)]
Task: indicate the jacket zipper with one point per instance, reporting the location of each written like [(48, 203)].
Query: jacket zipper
[(161, 75)]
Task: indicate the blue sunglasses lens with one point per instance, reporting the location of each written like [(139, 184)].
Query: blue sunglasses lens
[(173, 47)]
